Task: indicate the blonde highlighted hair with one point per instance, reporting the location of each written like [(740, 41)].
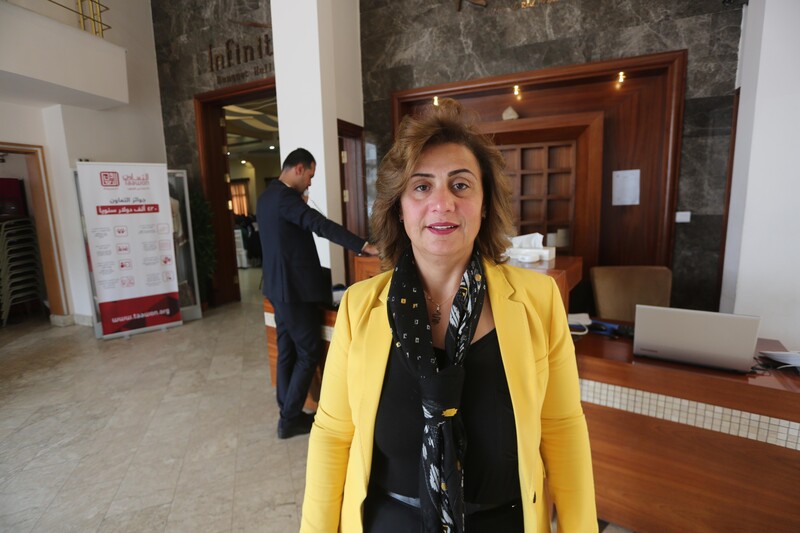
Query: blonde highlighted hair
[(445, 123)]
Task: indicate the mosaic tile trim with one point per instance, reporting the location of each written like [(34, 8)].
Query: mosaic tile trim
[(743, 424)]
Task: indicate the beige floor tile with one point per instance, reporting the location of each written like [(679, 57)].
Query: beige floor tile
[(24, 495), (164, 431), (78, 509), (139, 521), (257, 506)]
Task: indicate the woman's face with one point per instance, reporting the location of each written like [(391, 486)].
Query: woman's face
[(442, 203)]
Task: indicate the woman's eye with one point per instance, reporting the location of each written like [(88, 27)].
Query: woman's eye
[(461, 186), (421, 187)]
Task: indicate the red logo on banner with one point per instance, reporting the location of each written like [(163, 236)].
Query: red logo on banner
[(109, 179)]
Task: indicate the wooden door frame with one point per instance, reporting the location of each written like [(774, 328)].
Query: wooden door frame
[(354, 211), (474, 94), (46, 226), (212, 154), (587, 130)]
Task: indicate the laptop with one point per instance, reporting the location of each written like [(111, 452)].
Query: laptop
[(717, 340)]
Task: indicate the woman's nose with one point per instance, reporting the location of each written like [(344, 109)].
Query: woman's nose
[(443, 199)]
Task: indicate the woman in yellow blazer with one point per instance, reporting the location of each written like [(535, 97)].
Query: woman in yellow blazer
[(441, 218)]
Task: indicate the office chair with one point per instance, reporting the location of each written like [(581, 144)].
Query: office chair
[(617, 289)]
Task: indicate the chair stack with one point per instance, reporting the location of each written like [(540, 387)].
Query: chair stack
[(20, 270)]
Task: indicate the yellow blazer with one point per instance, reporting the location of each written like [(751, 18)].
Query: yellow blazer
[(539, 359)]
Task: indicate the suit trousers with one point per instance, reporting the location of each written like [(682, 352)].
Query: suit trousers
[(298, 326)]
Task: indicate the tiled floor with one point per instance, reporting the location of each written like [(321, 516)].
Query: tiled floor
[(163, 431)]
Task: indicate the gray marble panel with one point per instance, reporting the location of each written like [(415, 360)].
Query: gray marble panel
[(710, 77), (708, 116), (695, 265), (704, 164), (378, 124), (599, 14), (407, 17), (377, 85)]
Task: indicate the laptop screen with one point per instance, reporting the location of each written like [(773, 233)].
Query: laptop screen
[(704, 338)]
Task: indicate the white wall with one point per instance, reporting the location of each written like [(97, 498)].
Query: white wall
[(346, 20), (309, 96), (763, 247), (21, 124), (44, 60), (127, 133)]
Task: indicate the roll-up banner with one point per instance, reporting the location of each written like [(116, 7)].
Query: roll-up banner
[(127, 220)]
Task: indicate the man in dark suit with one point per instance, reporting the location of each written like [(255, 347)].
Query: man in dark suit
[(294, 281)]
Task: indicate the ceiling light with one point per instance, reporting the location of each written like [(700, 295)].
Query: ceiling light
[(229, 153), (244, 161), (435, 100), (271, 146)]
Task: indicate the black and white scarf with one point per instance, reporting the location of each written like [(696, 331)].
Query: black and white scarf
[(443, 441)]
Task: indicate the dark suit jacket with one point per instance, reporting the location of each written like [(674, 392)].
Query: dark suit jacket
[(290, 264)]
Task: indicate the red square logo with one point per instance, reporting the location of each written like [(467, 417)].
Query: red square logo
[(109, 179)]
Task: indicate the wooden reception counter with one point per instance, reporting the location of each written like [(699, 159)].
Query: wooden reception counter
[(675, 448), (566, 271), (678, 448)]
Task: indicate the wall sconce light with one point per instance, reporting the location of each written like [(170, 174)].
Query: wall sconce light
[(516, 92), (620, 79), (229, 153), (230, 205), (435, 100), (271, 146), (244, 161)]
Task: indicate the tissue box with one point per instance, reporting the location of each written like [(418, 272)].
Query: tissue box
[(547, 253), (528, 249)]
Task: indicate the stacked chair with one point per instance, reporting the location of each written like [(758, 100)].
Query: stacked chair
[(20, 270)]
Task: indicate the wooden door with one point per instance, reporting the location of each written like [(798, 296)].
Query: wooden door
[(353, 184)]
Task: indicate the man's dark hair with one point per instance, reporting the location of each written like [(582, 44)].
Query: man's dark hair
[(297, 156)]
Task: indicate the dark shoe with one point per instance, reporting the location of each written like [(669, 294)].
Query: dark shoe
[(299, 425)]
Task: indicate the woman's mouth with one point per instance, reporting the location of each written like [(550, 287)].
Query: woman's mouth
[(442, 228)]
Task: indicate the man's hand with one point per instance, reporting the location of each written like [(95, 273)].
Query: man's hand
[(369, 249)]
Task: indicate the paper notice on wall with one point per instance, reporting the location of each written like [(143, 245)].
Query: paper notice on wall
[(625, 187), (129, 244)]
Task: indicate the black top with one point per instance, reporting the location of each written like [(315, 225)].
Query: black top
[(491, 473)]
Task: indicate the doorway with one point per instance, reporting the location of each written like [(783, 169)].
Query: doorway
[(353, 186), (238, 144), (27, 162)]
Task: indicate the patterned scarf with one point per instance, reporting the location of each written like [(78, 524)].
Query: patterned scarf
[(443, 441)]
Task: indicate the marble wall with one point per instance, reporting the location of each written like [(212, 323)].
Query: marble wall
[(203, 45), (417, 43)]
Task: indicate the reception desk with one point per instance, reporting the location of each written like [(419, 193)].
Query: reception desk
[(566, 271), (675, 448), (678, 448)]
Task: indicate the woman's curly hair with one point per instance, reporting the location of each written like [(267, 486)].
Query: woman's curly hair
[(445, 123)]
